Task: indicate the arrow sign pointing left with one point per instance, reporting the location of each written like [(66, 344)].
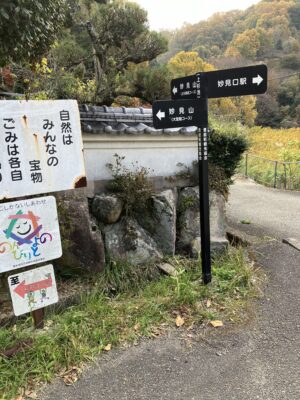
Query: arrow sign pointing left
[(33, 289), (180, 113), (22, 289), (160, 115)]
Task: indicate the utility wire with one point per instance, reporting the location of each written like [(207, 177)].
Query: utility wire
[(284, 76)]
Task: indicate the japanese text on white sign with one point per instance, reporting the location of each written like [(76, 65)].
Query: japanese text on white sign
[(33, 289), (41, 147), (29, 233)]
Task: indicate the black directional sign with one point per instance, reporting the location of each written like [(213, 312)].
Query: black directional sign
[(223, 83), (180, 113), (188, 87), (189, 108)]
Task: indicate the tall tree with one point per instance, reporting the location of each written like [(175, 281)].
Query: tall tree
[(118, 34), (28, 28), (187, 63)]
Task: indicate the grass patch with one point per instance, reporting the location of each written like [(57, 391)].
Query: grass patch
[(137, 308), (275, 144), (281, 145)]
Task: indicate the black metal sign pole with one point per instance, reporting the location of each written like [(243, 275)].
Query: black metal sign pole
[(201, 93), (204, 204), (199, 87)]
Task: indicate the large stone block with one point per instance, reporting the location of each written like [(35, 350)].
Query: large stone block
[(107, 208), (83, 247), (127, 240), (160, 220), (188, 226)]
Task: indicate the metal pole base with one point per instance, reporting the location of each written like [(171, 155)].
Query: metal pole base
[(206, 278)]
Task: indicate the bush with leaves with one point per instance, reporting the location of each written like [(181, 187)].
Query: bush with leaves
[(226, 144), (132, 186)]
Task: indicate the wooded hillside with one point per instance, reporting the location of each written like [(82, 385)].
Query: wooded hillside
[(102, 52), (267, 32)]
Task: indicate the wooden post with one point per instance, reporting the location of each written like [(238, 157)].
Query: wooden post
[(38, 318)]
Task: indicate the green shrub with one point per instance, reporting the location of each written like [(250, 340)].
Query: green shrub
[(226, 144), (132, 186), (218, 180)]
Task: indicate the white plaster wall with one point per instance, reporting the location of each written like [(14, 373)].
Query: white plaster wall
[(159, 153)]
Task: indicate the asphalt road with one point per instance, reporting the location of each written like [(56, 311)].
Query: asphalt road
[(270, 212), (258, 361)]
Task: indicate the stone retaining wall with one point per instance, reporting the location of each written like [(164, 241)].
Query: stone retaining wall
[(96, 229)]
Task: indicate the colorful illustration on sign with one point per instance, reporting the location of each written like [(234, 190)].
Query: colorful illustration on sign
[(29, 290), (25, 236), (33, 289)]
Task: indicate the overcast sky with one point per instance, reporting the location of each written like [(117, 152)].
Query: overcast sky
[(171, 14)]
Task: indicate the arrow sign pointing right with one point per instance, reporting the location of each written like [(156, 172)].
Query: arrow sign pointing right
[(258, 80), (222, 83)]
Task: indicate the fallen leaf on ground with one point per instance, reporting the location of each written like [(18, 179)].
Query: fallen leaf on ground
[(216, 324), (157, 331), (179, 321), (71, 376), (108, 347), (30, 394), (245, 222), (137, 326), (208, 303), (191, 326)]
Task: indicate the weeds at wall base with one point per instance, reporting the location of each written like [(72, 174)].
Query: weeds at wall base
[(135, 308)]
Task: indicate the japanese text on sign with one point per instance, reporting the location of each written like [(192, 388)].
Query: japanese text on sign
[(33, 289), (29, 233), (40, 147)]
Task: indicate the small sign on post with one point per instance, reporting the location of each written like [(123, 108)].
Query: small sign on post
[(41, 151), (222, 83), (33, 289), (29, 233), (173, 114)]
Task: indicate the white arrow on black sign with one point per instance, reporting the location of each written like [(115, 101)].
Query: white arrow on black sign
[(180, 113), (161, 115), (258, 80), (223, 83)]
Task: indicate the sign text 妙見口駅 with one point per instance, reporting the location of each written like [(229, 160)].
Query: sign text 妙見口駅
[(222, 83)]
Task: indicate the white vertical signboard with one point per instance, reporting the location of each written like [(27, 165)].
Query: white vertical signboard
[(29, 233), (41, 147), (33, 289)]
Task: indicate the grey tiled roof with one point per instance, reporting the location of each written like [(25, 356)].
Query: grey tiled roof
[(122, 120)]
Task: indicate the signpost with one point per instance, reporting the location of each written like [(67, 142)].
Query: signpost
[(41, 147), (41, 151), (222, 83), (33, 289), (193, 92), (29, 233), (173, 114)]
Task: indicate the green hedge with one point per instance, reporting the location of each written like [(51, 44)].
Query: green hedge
[(226, 144)]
